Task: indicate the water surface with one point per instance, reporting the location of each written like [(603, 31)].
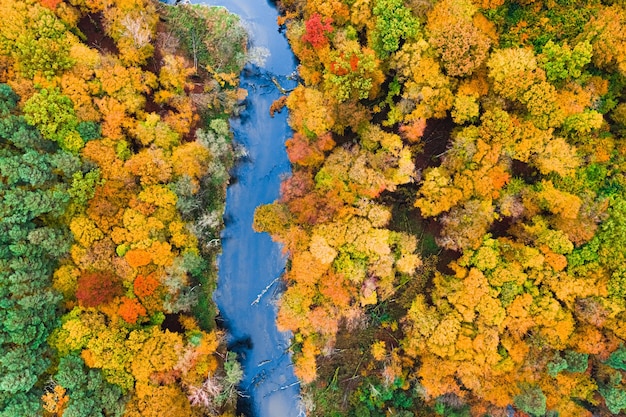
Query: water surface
[(251, 261)]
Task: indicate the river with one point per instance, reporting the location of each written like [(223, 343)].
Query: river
[(251, 261)]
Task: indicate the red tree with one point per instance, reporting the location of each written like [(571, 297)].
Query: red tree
[(95, 288), (316, 30)]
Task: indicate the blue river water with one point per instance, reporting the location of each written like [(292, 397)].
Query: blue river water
[(251, 261)]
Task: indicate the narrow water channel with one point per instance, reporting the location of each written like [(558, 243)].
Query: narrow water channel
[(251, 261)]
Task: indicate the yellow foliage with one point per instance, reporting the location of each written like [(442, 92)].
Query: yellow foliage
[(190, 159), (437, 193), (442, 341), (320, 249), (64, 280), (160, 352), (559, 202), (305, 367), (162, 254), (85, 231), (308, 110)]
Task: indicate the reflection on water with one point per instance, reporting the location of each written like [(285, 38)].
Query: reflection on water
[(250, 262)]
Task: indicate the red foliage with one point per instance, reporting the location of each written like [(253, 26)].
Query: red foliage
[(298, 185), (301, 152), (311, 209), (337, 69), (95, 288), (316, 30), (145, 286), (130, 310), (354, 62)]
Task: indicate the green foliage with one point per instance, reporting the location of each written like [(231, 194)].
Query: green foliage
[(394, 22), (571, 361), (446, 410), (84, 186), (53, 114), (562, 62), (576, 361), (32, 195), (374, 398), (90, 395), (556, 366), (583, 123), (89, 131), (613, 393), (8, 100), (612, 246), (617, 360), (531, 400), (19, 405), (212, 36)]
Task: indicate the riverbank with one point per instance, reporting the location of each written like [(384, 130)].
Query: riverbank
[(250, 264)]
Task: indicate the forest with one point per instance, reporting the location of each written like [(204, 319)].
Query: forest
[(114, 154), (455, 222), (456, 217)]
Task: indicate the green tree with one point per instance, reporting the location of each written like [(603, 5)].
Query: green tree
[(394, 22), (53, 114), (531, 400), (32, 197)]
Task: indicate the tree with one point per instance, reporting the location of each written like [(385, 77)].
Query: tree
[(353, 73), (531, 400), (462, 46), (317, 31), (53, 114), (31, 241), (513, 71), (214, 37), (562, 62), (96, 288), (36, 39), (89, 394), (393, 22), (606, 35)]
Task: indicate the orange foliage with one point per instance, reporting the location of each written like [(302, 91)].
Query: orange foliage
[(151, 166), (138, 257), (336, 289), (145, 285), (50, 4), (305, 366), (130, 310), (302, 152), (413, 130), (114, 117), (55, 401)]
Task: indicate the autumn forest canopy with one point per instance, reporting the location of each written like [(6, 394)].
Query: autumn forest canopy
[(455, 222), (114, 155), (456, 217)]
